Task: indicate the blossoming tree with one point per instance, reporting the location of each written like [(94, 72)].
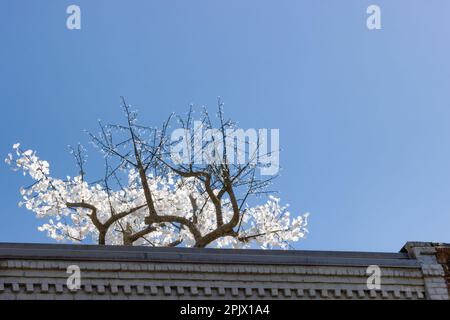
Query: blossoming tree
[(146, 196)]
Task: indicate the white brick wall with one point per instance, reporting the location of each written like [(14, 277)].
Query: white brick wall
[(334, 276)]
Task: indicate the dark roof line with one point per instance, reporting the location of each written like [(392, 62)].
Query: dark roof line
[(72, 252)]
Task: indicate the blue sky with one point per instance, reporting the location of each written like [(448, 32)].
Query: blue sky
[(363, 115)]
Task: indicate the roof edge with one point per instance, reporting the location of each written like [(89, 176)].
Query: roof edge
[(76, 252)]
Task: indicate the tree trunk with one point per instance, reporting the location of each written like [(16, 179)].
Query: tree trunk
[(102, 238)]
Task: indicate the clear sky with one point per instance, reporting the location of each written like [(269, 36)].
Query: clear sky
[(364, 116)]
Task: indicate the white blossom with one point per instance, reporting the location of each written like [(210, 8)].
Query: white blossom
[(267, 225)]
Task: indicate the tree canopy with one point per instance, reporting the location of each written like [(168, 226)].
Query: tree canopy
[(151, 195)]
